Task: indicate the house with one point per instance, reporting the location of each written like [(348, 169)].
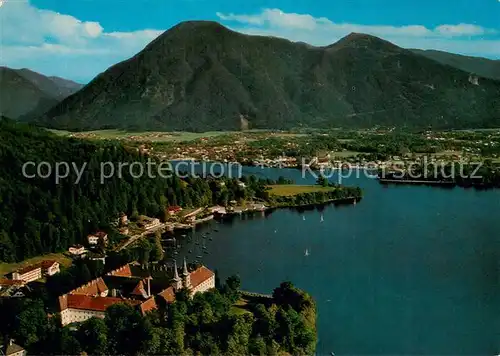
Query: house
[(217, 210), (28, 274), (94, 239), (172, 210), (10, 288), (12, 349), (148, 223), (78, 307), (92, 299), (198, 281), (50, 267), (123, 221), (77, 250), (37, 271)]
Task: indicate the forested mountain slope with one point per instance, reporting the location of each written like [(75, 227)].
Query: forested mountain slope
[(201, 76)]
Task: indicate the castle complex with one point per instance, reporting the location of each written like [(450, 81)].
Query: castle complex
[(131, 285)]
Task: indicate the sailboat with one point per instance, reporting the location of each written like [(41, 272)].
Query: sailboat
[(306, 253), (303, 218), (321, 220)]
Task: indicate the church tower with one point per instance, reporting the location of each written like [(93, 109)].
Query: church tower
[(186, 275), (177, 282)]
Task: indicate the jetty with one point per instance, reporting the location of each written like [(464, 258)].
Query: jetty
[(245, 293), (446, 183)]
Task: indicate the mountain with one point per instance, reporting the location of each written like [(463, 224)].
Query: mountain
[(25, 92), (201, 76), (483, 67)]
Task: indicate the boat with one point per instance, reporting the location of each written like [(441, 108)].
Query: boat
[(206, 252), (199, 256), (304, 218), (211, 239), (306, 253), (216, 230), (321, 220), (190, 251)]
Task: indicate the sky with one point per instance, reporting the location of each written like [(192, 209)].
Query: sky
[(78, 39)]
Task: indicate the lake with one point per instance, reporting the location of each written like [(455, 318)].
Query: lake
[(408, 270)]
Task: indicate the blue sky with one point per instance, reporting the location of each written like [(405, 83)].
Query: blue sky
[(77, 39)]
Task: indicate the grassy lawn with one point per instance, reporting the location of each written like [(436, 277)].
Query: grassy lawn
[(344, 154), (291, 189), (6, 268), (240, 307)]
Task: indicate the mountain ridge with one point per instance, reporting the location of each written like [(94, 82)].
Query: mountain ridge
[(25, 92), (201, 76), (488, 68)]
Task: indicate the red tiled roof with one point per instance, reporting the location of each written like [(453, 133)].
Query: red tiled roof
[(86, 302), (43, 265), (10, 282), (95, 287), (123, 271), (200, 275), (139, 289), (148, 305), (168, 294), (28, 269), (47, 264), (101, 234)]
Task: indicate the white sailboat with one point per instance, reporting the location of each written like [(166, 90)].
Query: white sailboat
[(303, 218), (306, 253), (321, 220)]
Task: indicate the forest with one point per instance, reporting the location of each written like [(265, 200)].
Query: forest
[(41, 215), (204, 325), (38, 216)]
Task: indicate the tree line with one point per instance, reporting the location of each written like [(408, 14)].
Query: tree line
[(39, 216), (204, 325)]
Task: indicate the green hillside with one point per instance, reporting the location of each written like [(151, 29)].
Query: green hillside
[(200, 76), (26, 94), (481, 66)]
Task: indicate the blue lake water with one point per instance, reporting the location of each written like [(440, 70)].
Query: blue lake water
[(408, 270)]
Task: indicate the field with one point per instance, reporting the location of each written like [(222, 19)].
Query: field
[(344, 154), (240, 307), (6, 268), (140, 136), (291, 189)]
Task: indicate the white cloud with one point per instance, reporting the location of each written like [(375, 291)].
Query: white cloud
[(460, 38), (462, 29), (59, 44)]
